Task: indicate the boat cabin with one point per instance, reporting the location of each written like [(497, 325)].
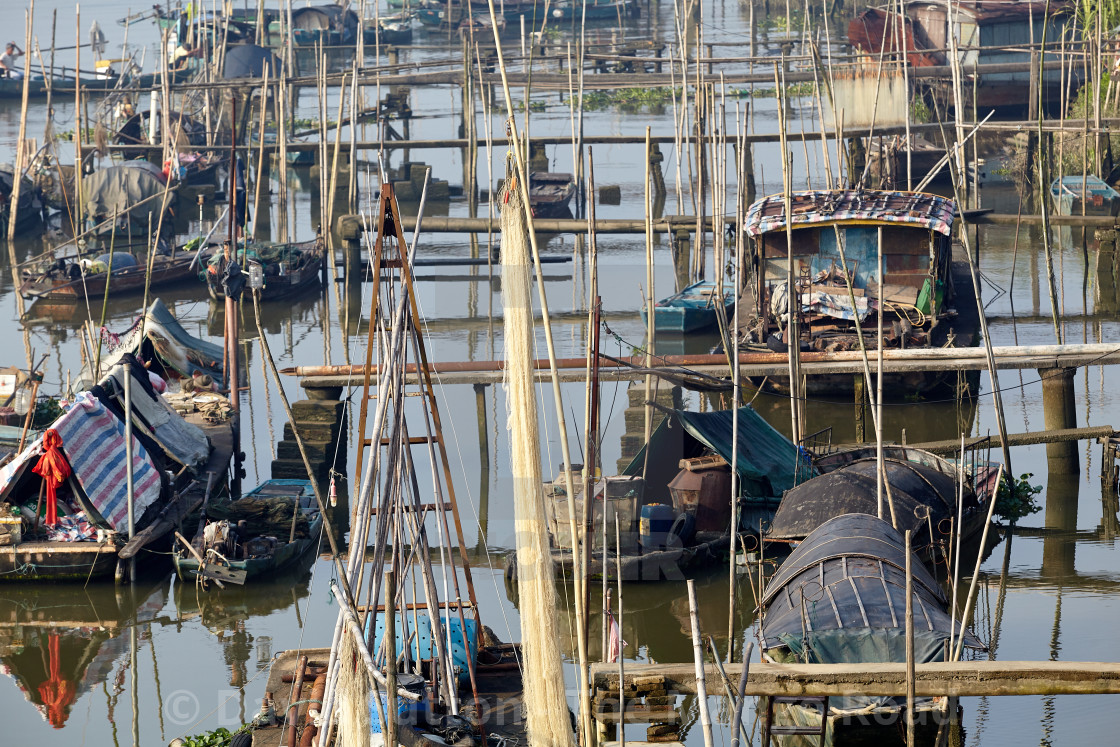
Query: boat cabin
[(984, 32), (836, 236)]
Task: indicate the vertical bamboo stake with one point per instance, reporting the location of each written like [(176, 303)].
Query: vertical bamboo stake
[(77, 119), (793, 303), (13, 201), (621, 651), (976, 571), (651, 325), (698, 659), (391, 657), (910, 644)]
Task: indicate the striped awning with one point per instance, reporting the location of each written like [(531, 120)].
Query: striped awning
[(866, 207)]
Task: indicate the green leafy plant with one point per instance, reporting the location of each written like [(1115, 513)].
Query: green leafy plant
[(220, 737), (1015, 498)]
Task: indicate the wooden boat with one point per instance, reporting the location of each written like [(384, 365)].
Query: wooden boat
[(90, 537), (328, 25), (688, 465), (1084, 195), (249, 537), (694, 308), (168, 349), (918, 292), (288, 269), (550, 193), (840, 597), (394, 29), (595, 10), (923, 486), (28, 213), (887, 160), (94, 84), (70, 279)]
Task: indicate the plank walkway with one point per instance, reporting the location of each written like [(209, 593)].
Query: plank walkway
[(1039, 357), (964, 678)]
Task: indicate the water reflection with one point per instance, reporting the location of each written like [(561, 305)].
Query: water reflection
[(60, 642)]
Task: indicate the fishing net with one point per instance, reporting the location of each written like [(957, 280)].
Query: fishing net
[(546, 717)]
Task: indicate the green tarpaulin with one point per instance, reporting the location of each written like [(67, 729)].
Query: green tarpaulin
[(766, 462)]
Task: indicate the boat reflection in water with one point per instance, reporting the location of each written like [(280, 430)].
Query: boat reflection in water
[(59, 642)]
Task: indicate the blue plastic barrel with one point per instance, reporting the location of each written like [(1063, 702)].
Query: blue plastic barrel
[(655, 525)]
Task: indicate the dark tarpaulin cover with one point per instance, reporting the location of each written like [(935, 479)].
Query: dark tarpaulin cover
[(765, 455), (842, 592), (852, 489), (250, 61)]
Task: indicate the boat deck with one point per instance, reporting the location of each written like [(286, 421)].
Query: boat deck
[(499, 688)]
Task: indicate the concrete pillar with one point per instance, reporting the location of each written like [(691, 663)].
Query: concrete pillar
[(1059, 548), (1059, 411)]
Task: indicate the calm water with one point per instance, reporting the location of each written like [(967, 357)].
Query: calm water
[(200, 659)]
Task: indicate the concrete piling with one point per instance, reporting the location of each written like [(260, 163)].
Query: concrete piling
[(1059, 411)]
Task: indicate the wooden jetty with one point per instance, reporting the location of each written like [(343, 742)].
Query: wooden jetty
[(958, 678), (1012, 357)]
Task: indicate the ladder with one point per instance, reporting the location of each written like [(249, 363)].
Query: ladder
[(817, 702), (392, 283)]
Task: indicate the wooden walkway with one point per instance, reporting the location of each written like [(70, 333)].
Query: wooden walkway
[(964, 678), (1038, 357)]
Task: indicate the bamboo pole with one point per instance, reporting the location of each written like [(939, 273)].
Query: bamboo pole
[(979, 559), (621, 651), (698, 659), (651, 324), (910, 685), (13, 199)]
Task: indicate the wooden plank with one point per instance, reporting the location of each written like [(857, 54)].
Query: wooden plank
[(965, 678), (606, 711), (221, 573), (952, 446)]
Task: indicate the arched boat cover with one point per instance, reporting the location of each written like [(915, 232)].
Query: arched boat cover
[(841, 597), (851, 489), (250, 61), (118, 189)]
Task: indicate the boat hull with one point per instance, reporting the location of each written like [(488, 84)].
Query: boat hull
[(40, 561), (284, 557), (298, 282), (127, 280)]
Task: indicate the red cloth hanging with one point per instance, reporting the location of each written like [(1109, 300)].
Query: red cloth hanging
[(58, 693), (54, 469)]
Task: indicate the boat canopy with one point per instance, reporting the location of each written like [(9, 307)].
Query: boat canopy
[(767, 460), (852, 489), (250, 61), (841, 597), (829, 207), (116, 190), (166, 340)]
